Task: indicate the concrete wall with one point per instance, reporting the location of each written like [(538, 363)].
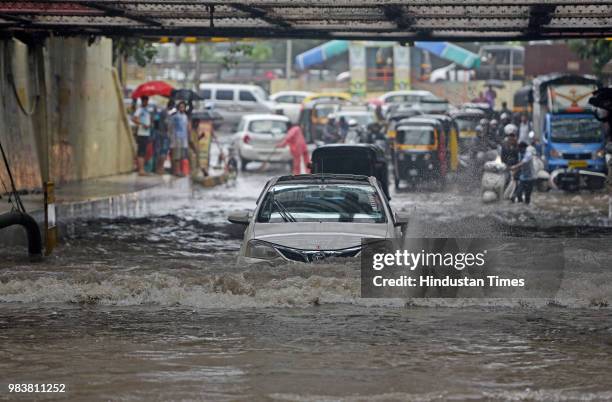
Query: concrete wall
[(78, 120)]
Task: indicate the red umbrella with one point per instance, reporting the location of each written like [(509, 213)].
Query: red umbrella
[(152, 88)]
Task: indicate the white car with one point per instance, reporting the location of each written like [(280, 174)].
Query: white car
[(451, 73), (308, 218), (232, 101), (289, 102), (405, 96), (257, 137)]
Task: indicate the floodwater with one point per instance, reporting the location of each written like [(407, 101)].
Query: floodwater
[(153, 307)]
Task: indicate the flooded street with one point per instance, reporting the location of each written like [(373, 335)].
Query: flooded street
[(154, 307)]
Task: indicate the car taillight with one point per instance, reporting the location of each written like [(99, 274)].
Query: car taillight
[(246, 139)]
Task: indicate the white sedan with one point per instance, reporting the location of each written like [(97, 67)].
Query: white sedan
[(257, 137), (309, 218), (290, 102)]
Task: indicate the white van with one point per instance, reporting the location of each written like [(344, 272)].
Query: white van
[(233, 101)]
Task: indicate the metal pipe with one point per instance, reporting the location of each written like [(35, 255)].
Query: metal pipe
[(31, 228)]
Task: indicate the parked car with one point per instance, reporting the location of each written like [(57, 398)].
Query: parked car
[(309, 218), (289, 102), (359, 159), (233, 101), (256, 137)]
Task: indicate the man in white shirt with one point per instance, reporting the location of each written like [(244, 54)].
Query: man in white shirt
[(142, 118), (524, 129)]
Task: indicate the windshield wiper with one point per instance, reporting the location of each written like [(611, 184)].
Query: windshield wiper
[(286, 215)]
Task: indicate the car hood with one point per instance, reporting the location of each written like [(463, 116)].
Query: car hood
[(319, 236)]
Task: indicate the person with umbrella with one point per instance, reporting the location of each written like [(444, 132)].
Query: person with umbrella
[(142, 120)]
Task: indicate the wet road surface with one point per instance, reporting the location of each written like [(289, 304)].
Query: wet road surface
[(153, 307)]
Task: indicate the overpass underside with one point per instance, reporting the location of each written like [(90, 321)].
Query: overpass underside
[(458, 20)]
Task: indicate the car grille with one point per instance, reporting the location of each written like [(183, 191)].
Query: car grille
[(316, 255), (577, 156)]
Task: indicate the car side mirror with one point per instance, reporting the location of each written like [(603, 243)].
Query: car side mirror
[(401, 220), (240, 217)]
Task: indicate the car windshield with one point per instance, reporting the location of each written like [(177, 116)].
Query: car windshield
[(586, 129), (268, 127), (416, 136), (322, 203)]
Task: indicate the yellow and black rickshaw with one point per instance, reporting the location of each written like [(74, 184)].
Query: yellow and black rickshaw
[(314, 117), (523, 99), (395, 115), (420, 151), (451, 131), (467, 120)]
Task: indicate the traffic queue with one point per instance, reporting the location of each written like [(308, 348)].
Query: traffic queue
[(426, 141)]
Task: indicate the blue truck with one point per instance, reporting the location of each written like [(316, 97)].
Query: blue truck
[(572, 139)]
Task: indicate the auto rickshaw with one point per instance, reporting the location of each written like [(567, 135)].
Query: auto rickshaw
[(467, 120), (314, 117), (397, 113), (420, 151), (523, 99), (451, 131)]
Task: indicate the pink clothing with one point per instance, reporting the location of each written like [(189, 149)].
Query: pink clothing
[(297, 147), (295, 140)]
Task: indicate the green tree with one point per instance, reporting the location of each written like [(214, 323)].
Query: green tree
[(597, 50), (139, 50)]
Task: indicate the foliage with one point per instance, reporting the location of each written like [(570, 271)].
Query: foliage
[(597, 50), (139, 50), (246, 51)]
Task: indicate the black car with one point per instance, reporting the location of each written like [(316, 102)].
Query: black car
[(357, 159)]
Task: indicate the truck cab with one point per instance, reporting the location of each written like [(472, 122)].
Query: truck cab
[(572, 139)]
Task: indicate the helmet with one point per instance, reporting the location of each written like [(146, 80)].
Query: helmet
[(483, 122), (478, 128), (510, 129), (504, 116), (493, 122)]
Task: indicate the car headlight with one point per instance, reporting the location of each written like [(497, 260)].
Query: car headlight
[(427, 157), (555, 154), (261, 250), (600, 153)]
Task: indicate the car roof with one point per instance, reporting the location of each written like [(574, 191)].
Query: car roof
[(354, 112), (339, 95), (418, 92), (323, 178), (413, 121), (265, 116), (468, 113), (282, 93), (347, 146), (232, 86)]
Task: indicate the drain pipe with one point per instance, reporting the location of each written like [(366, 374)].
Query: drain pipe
[(31, 228)]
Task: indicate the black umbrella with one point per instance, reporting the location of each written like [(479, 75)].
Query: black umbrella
[(185, 95)]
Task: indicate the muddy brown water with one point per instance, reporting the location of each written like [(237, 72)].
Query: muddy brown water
[(153, 307)]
